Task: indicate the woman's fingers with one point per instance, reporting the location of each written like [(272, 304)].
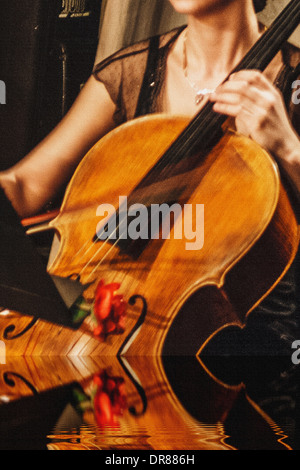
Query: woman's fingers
[(257, 106)]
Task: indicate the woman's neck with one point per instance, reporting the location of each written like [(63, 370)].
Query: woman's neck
[(217, 40)]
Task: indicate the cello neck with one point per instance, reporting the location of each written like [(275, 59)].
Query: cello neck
[(269, 44)]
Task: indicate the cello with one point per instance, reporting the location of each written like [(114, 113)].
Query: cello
[(177, 299)]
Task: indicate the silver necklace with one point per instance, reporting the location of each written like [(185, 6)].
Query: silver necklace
[(200, 93)]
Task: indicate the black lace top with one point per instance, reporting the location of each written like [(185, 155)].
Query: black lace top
[(134, 76)]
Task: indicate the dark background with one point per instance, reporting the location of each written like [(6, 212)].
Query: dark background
[(47, 52)]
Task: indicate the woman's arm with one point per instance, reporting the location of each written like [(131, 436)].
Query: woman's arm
[(36, 179)]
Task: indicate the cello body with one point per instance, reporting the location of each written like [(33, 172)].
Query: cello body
[(178, 298)]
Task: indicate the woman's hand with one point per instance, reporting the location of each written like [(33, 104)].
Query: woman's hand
[(259, 112)]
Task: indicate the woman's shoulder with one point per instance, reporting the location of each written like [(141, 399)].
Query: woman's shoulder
[(140, 48), (122, 73)]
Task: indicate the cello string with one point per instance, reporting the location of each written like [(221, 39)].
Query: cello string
[(97, 265), (107, 240), (91, 245), (98, 252), (106, 254), (96, 240)]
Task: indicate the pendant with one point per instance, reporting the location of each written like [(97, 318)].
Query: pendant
[(198, 98), (201, 93)]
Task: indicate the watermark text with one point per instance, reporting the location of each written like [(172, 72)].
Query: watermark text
[(2, 92), (296, 354), (2, 353), (156, 221)]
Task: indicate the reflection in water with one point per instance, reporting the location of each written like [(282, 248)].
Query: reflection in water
[(146, 403)]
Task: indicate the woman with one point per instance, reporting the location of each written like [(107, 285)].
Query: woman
[(184, 69)]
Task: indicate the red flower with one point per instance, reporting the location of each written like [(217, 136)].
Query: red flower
[(110, 400), (109, 310)]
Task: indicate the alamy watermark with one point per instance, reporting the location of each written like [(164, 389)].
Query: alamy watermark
[(296, 94), (156, 221), (2, 92), (2, 353), (296, 354)]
